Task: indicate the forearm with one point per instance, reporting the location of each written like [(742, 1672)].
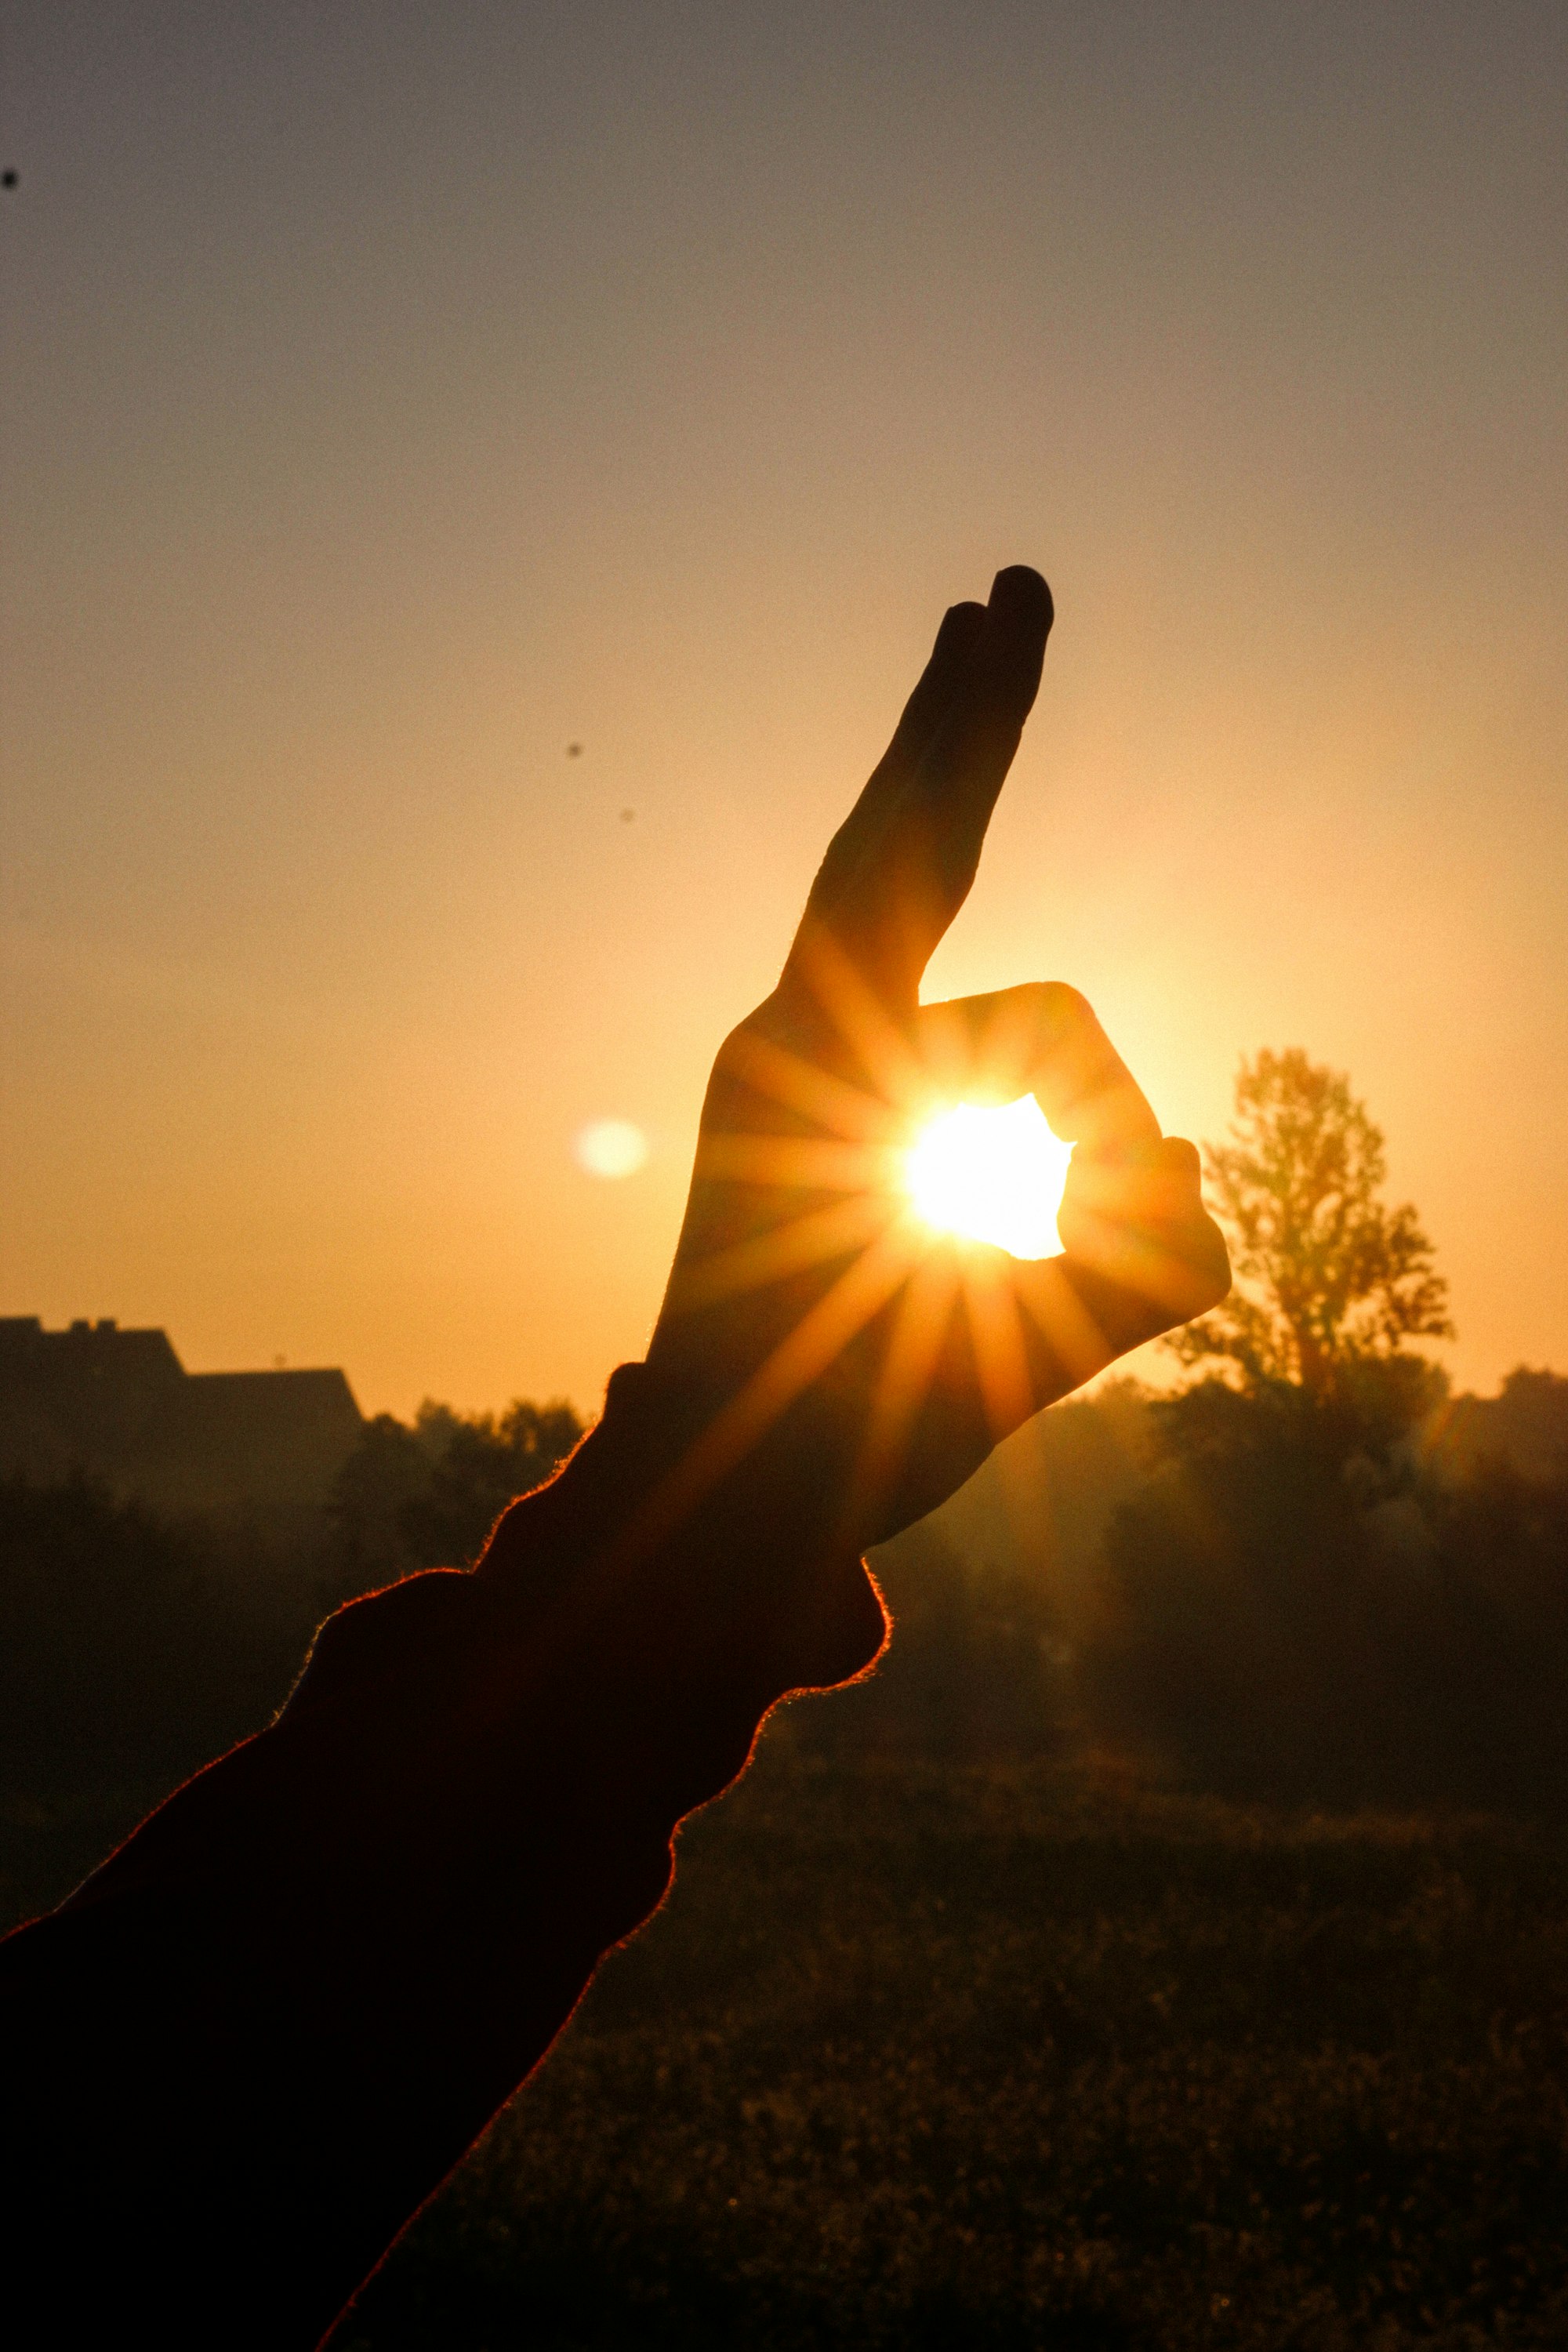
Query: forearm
[(265, 2031)]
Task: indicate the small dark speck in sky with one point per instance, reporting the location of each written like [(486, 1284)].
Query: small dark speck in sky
[(7, 179), (573, 751), (627, 815)]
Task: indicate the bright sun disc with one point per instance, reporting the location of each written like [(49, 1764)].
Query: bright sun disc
[(992, 1175)]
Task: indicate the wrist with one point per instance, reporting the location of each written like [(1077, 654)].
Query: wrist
[(646, 1523)]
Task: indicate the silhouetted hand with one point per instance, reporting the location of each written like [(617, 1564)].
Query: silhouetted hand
[(815, 1331)]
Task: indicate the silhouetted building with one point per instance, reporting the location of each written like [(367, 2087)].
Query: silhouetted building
[(120, 1406)]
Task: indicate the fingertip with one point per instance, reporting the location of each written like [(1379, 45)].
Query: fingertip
[(961, 627), (1020, 616), (1021, 593)]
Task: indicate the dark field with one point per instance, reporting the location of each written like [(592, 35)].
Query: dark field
[(1005, 2058), (945, 2038)]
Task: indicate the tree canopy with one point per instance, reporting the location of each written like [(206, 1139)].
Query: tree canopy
[(428, 1496), (1328, 1278)]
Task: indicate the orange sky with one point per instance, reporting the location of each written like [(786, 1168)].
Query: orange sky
[(394, 396)]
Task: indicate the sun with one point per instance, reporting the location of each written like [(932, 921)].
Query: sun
[(991, 1175)]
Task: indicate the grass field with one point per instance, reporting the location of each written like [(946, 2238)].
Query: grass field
[(1007, 2058)]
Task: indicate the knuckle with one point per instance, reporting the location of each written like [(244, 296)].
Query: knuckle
[(1062, 1005)]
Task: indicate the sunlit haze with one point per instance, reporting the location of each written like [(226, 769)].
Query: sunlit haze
[(479, 481), (993, 1175)]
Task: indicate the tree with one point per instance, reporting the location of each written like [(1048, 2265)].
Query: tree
[(132, 1649), (1329, 1281), (479, 1463), (428, 1496), (1296, 1603)]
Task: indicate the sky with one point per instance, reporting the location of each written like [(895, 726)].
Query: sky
[(392, 396)]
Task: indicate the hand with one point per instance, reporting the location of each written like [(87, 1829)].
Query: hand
[(821, 1338)]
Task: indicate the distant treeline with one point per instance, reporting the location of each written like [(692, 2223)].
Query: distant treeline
[(1361, 1600), (1252, 1594), (1304, 1602)]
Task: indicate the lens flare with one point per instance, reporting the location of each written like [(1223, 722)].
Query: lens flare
[(610, 1148), (992, 1176)]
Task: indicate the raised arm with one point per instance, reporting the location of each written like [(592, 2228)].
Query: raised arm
[(252, 2043)]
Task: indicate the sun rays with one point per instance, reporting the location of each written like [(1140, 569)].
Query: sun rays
[(910, 1226), (873, 1211)]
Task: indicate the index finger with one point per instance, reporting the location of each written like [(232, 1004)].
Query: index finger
[(901, 865), (1041, 1039)]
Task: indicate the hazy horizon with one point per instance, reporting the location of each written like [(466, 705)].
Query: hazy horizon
[(395, 398)]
